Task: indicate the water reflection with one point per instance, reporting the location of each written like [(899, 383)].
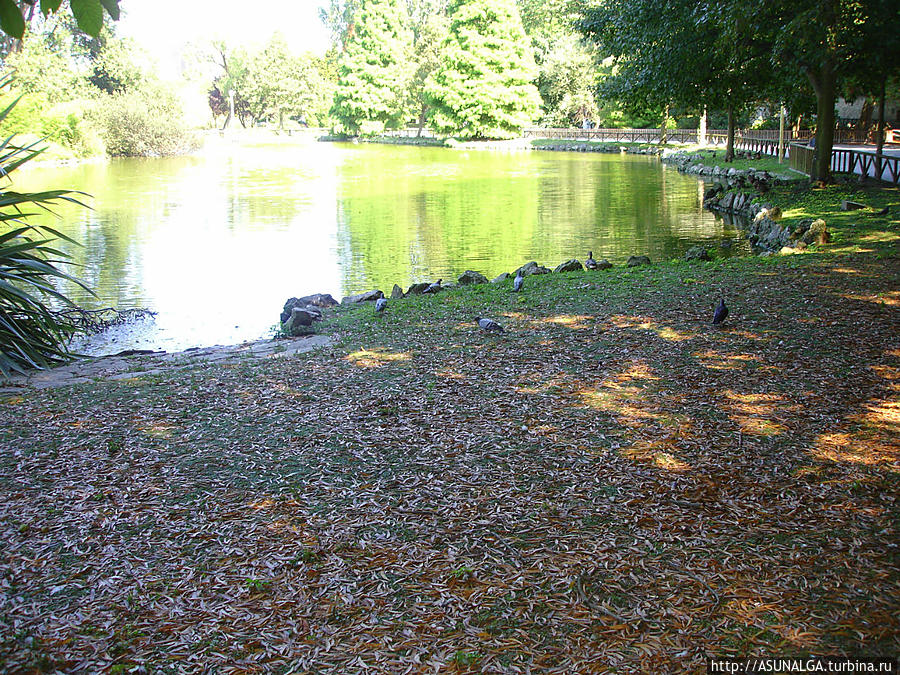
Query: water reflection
[(216, 243)]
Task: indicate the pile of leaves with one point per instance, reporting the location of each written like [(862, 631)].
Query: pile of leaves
[(610, 485)]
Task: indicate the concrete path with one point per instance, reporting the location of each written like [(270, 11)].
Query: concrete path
[(124, 367)]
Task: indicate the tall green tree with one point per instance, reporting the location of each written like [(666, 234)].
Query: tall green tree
[(374, 69), (484, 86), (700, 55)]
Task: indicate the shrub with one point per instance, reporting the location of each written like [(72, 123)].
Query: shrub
[(32, 335), (146, 123)]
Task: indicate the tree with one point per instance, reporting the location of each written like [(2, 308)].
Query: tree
[(700, 55), (567, 81), (483, 87), (829, 41), (429, 26), (374, 69)]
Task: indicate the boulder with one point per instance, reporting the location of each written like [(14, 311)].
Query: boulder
[(696, 253), (569, 266), (368, 296), (603, 264), (817, 233), (500, 278), (299, 322), (637, 261), (316, 300), (417, 289), (396, 292), (532, 268), (470, 277)]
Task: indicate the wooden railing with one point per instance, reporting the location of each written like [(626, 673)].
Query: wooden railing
[(844, 160)]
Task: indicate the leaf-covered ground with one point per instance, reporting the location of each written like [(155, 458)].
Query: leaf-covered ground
[(613, 485)]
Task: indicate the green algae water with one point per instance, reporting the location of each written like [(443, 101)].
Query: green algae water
[(215, 243)]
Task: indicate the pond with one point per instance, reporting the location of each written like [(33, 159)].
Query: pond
[(215, 243)]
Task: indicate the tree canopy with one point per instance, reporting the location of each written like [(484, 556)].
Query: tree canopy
[(483, 86), (374, 70)]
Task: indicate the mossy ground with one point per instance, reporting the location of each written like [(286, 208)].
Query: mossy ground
[(611, 484)]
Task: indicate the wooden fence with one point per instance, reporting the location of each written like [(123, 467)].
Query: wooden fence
[(844, 160)]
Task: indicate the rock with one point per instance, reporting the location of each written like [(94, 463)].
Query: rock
[(637, 261), (569, 266), (848, 205), (817, 233), (396, 292), (603, 264), (470, 277), (532, 268), (315, 300), (500, 278), (417, 289), (368, 296), (789, 250), (774, 212), (299, 322), (696, 253), (711, 192)]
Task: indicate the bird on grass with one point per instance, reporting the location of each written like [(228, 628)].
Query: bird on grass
[(434, 288), (518, 281), (590, 263), (489, 325), (886, 210), (720, 314), (380, 304)]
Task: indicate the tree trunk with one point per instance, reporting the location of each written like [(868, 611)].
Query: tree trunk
[(879, 148), (729, 144), (422, 112), (664, 132), (824, 83)]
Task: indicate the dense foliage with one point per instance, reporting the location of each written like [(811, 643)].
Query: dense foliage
[(374, 70), (483, 87), (86, 94)]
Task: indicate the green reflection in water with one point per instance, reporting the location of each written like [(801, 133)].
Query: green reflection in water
[(216, 243)]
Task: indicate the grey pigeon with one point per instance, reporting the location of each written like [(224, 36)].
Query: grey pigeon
[(489, 324), (721, 313), (518, 281), (434, 288), (380, 304), (590, 263)]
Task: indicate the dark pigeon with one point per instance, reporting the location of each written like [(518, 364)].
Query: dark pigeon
[(489, 324), (518, 281), (590, 263), (721, 313), (380, 304), (886, 210)]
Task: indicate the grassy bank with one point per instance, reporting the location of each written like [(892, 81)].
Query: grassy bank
[(611, 484)]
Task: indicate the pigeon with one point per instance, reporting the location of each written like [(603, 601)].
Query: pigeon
[(590, 263), (886, 210), (720, 314), (489, 324), (434, 288), (518, 281), (380, 304)]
